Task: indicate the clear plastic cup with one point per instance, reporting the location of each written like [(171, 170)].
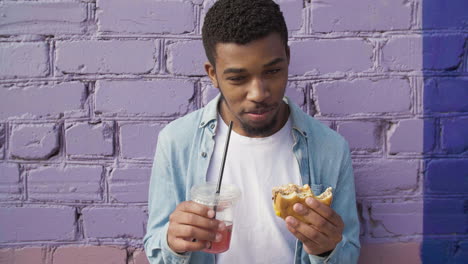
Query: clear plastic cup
[(225, 203)]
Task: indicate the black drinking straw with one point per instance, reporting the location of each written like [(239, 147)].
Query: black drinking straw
[(226, 146)]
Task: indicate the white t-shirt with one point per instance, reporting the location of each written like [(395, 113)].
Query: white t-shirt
[(256, 165)]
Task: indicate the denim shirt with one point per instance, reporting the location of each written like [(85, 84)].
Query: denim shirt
[(183, 154)]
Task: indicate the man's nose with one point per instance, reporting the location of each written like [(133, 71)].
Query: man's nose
[(258, 91)]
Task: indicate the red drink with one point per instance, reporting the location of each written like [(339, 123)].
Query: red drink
[(223, 245)]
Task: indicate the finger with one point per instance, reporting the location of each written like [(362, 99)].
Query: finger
[(308, 231), (314, 246), (326, 212), (186, 218), (190, 232), (315, 219), (183, 245), (196, 208)]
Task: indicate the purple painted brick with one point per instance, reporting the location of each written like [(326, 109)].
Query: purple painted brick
[(346, 97), (455, 134), (408, 136), (138, 140), (361, 135), (19, 224), (70, 183), (447, 177), (146, 16), (313, 56), (445, 14), (42, 18), (296, 92), (90, 139), (292, 12), (129, 185), (383, 177), (407, 53), (397, 219), (143, 98), (67, 99), (10, 182), (24, 59), (186, 58), (366, 15), (115, 56), (113, 222), (34, 141), (446, 95), (445, 216)]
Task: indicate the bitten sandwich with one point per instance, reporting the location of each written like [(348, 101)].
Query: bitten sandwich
[(285, 196)]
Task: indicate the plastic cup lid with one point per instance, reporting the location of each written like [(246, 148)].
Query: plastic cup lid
[(205, 193)]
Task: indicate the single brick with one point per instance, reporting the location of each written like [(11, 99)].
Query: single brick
[(129, 185), (139, 257), (397, 219), (67, 99), (70, 183), (313, 56), (361, 135), (24, 59), (114, 56), (19, 224), (10, 182), (367, 15), (436, 250), (22, 255), (413, 135), (455, 134), (447, 176), (142, 98), (208, 92), (89, 255), (346, 97), (145, 16), (113, 222), (42, 18), (139, 140), (445, 216), (85, 139), (34, 141), (297, 93), (186, 58), (292, 12), (385, 176), (429, 52), (389, 253), (446, 95), (444, 15)]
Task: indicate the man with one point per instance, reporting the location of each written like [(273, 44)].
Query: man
[(273, 143)]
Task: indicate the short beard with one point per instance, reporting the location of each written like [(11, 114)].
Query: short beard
[(256, 131)]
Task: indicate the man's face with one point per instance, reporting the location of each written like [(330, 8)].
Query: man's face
[(252, 79)]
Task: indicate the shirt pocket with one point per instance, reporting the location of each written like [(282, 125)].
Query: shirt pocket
[(317, 189)]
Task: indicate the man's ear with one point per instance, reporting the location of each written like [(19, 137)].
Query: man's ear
[(211, 71), (288, 54)]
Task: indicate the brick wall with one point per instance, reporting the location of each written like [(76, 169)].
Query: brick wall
[(86, 85)]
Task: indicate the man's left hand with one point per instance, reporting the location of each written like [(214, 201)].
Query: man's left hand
[(324, 231)]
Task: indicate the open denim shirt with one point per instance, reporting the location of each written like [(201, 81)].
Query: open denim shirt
[(183, 154)]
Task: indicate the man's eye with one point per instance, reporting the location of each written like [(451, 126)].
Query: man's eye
[(273, 71), (236, 79)]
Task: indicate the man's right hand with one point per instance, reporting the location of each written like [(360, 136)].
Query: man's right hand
[(192, 227)]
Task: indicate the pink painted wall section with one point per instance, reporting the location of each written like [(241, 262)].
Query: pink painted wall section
[(86, 86)]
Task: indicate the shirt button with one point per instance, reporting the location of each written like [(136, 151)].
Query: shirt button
[(203, 154), (212, 126), (202, 124)]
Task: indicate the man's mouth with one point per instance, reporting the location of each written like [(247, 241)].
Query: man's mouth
[(259, 114)]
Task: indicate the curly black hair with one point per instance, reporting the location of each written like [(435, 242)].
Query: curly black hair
[(240, 22)]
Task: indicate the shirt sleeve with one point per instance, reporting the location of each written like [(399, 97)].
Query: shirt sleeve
[(344, 203), (161, 203)]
